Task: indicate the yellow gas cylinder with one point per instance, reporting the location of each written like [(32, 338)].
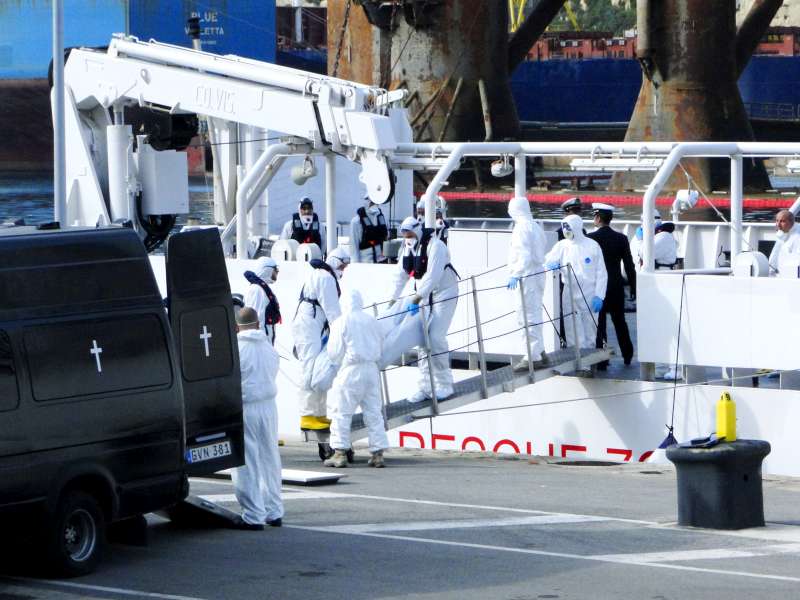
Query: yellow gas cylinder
[(726, 418)]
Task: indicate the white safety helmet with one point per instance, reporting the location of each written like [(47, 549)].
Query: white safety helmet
[(265, 268)]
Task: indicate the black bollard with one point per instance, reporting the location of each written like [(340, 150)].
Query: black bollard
[(720, 487)]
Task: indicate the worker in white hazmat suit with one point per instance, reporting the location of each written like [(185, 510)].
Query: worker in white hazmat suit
[(665, 246), (525, 260), (258, 481), (260, 296), (355, 345), (637, 243), (317, 308), (425, 259), (582, 256)]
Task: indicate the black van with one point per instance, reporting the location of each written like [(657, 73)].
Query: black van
[(109, 401)]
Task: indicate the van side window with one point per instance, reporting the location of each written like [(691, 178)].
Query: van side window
[(9, 392), (97, 356)]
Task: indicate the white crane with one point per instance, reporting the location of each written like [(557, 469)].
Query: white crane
[(113, 178)]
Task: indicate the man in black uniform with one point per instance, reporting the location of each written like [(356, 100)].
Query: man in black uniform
[(615, 248)]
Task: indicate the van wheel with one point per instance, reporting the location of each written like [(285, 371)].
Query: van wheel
[(77, 535)]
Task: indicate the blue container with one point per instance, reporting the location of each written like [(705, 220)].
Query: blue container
[(26, 31), (770, 87), (243, 27), (570, 91)]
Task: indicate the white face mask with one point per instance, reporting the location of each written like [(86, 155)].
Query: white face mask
[(568, 234), (373, 210), (781, 235), (410, 242), (306, 219)]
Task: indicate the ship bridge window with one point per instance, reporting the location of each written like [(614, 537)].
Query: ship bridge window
[(98, 356), (9, 391)]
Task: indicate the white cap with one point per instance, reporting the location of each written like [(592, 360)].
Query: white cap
[(602, 206)]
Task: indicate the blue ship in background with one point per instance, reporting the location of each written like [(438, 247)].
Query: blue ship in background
[(244, 27), (594, 93)]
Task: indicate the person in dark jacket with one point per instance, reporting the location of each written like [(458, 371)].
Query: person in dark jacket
[(616, 249)]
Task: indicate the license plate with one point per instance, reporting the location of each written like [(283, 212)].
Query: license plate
[(209, 452)]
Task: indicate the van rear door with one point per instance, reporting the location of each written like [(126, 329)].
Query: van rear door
[(203, 326)]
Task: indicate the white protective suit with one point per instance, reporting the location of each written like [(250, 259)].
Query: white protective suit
[(636, 250), (526, 257), (586, 258), (440, 284), (321, 306), (786, 244), (256, 298), (665, 249), (370, 255), (258, 482), (355, 345)]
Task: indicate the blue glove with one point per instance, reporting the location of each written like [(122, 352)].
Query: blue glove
[(413, 308), (639, 233), (512, 283), (324, 340), (597, 304), (553, 265)]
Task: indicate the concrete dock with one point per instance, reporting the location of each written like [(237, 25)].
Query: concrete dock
[(444, 525)]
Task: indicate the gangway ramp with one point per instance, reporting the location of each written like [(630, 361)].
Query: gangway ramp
[(498, 381)]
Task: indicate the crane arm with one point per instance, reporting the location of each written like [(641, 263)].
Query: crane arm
[(326, 114)]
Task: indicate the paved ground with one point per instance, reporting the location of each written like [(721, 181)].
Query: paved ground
[(449, 526)]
